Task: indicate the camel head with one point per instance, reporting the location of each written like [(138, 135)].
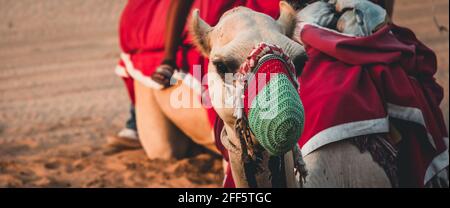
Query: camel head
[(229, 45)]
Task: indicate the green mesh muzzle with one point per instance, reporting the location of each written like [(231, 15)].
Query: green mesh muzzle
[(276, 115)]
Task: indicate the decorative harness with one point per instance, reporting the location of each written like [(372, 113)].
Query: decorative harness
[(252, 151)]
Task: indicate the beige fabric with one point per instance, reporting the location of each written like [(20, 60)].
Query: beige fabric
[(164, 130)]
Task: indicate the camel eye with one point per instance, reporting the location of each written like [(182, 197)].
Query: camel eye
[(221, 67)]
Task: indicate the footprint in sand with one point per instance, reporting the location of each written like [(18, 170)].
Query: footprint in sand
[(52, 165)]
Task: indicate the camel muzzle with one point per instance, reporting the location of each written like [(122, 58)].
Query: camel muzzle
[(271, 102), (271, 120)]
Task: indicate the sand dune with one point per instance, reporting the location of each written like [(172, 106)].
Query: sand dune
[(59, 97)]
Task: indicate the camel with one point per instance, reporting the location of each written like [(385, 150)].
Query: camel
[(340, 164)]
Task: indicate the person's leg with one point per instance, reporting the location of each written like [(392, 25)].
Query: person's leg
[(183, 107), (131, 122), (159, 136), (127, 138)]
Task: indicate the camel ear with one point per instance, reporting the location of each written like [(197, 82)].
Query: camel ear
[(200, 31), (287, 20)]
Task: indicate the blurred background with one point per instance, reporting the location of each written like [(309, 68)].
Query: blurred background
[(59, 96)]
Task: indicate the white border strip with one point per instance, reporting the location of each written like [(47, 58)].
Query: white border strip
[(121, 71), (438, 164), (137, 75), (415, 115), (187, 78), (345, 131), (410, 114)]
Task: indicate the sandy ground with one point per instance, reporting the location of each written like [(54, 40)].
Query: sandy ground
[(59, 97)]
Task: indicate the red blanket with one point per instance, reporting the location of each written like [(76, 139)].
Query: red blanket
[(356, 86), (353, 86)]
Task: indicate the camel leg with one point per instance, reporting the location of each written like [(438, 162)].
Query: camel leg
[(341, 165), (389, 6), (184, 108), (266, 172), (158, 135), (291, 181), (263, 176)]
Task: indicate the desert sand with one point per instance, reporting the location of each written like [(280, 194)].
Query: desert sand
[(59, 97)]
